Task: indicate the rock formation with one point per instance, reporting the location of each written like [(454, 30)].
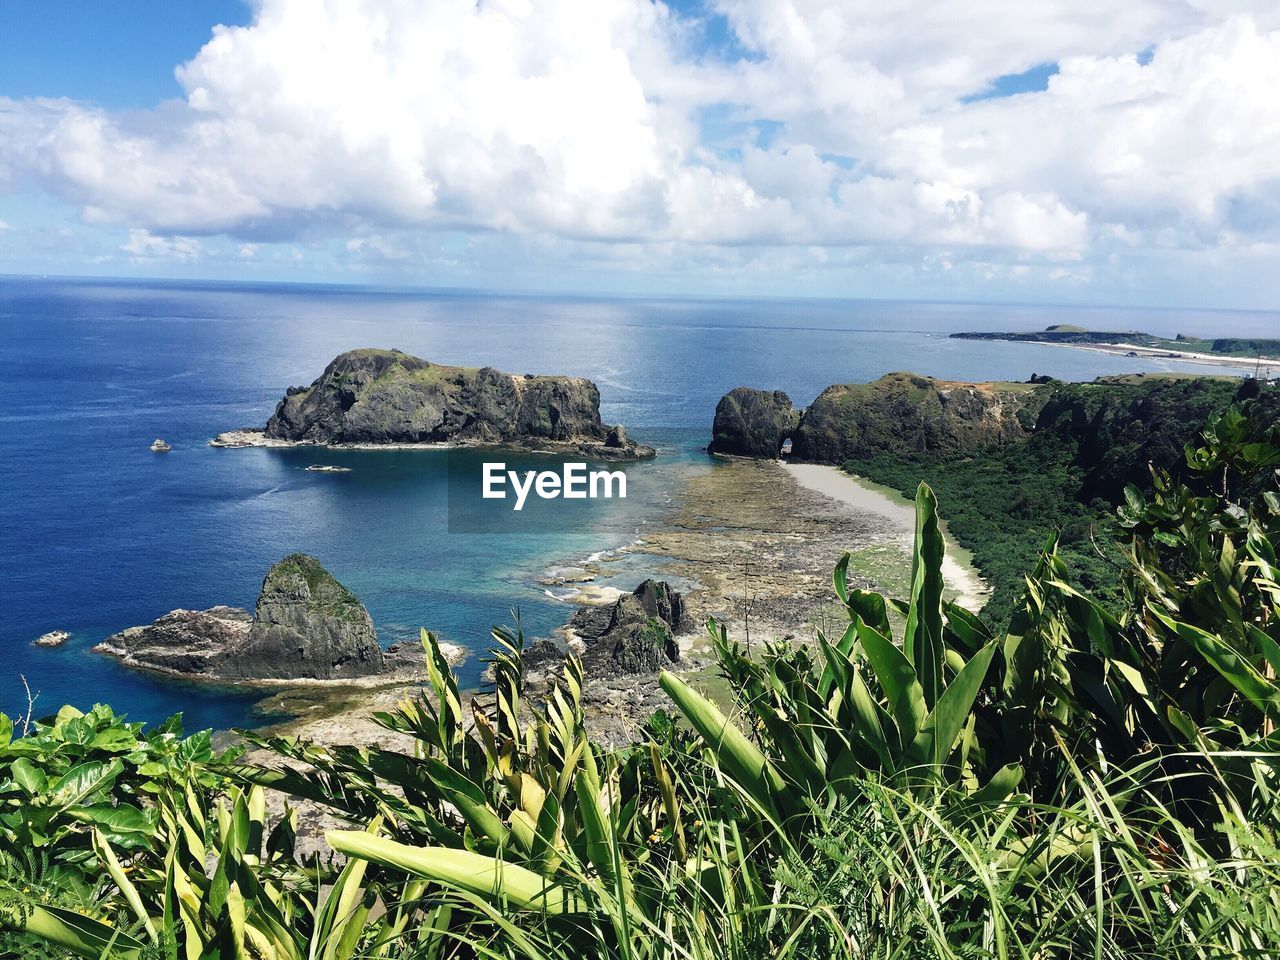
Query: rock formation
[(900, 412), (306, 626), (196, 643), (752, 423), (372, 397), (636, 634), (903, 412)]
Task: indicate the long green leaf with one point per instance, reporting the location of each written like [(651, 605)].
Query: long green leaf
[(462, 869), (938, 735), (738, 756), (922, 638)]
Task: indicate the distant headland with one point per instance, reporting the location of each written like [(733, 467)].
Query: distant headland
[(373, 398), (1224, 351)]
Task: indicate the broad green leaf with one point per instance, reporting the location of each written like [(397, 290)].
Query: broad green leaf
[(938, 735), (81, 782), (739, 757), (30, 777), (462, 869), (1002, 783)]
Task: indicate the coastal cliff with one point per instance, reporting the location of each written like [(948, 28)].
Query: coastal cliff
[(899, 412), (753, 423), (386, 397)]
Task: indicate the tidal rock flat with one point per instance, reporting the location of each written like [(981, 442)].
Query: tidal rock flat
[(386, 398)]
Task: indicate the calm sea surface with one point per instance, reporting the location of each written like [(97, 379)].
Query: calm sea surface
[(98, 534)]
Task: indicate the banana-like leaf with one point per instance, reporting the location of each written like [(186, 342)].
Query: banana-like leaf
[(1239, 672), (83, 936), (470, 801), (897, 678), (937, 737), (738, 756), (461, 869), (922, 641), (1001, 785), (122, 881)]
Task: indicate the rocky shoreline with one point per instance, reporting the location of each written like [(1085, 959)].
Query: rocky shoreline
[(758, 546), (247, 437)]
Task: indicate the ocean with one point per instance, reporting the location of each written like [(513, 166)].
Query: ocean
[(97, 533)]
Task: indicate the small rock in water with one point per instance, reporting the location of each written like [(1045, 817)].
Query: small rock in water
[(54, 638)]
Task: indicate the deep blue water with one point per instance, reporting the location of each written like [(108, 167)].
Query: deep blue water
[(97, 533)]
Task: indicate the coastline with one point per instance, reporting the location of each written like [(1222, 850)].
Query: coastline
[(591, 449), (860, 494), (1242, 364), (754, 541)]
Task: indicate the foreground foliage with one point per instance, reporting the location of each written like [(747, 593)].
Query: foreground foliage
[(1098, 779)]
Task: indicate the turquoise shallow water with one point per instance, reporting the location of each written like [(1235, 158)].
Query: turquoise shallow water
[(97, 533)]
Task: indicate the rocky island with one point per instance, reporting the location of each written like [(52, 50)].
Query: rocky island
[(306, 626), (386, 398)]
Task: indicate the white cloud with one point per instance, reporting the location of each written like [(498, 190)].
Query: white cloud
[(142, 245), (4, 226), (848, 128)]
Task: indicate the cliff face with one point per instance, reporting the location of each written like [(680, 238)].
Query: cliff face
[(907, 413), (752, 423), (385, 396), (306, 625), (900, 412)]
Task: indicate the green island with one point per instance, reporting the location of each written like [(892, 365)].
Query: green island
[(1088, 770), (1246, 348)]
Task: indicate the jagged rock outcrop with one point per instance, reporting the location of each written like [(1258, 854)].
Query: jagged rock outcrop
[(388, 397), (904, 412), (752, 423), (636, 634), (900, 412), (306, 626)]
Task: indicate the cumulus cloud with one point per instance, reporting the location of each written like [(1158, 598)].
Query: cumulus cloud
[(851, 127)]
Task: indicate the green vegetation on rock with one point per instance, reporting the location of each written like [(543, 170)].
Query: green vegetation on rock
[(1087, 442)]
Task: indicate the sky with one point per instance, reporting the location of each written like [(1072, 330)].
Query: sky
[(1054, 151)]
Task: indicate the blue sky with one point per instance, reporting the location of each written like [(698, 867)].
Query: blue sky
[(119, 56), (1050, 151)]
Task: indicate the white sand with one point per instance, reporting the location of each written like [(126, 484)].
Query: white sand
[(860, 497)]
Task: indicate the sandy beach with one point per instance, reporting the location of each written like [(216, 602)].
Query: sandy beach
[(861, 496), (1266, 368)]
